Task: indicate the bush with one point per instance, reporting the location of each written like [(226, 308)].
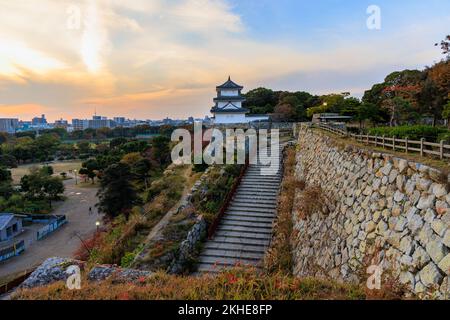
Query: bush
[(431, 134)]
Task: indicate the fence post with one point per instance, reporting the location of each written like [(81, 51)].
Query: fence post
[(367, 139), (441, 151), (376, 141), (406, 144), (422, 140), (393, 143)]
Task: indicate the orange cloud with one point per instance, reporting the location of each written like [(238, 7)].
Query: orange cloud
[(23, 111)]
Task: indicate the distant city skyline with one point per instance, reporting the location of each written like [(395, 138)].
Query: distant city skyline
[(155, 59)]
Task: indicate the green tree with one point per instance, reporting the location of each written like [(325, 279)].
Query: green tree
[(39, 185), (117, 194), (3, 137), (446, 113), (116, 142), (6, 189), (367, 111), (160, 149), (8, 161), (400, 111), (141, 170), (84, 147), (92, 167), (261, 101), (53, 188)]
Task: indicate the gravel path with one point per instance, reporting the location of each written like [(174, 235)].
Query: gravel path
[(62, 243)]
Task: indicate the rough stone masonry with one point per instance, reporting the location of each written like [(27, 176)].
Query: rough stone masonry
[(392, 210)]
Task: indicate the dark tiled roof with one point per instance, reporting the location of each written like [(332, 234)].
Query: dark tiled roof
[(221, 110), (229, 99), (230, 85)]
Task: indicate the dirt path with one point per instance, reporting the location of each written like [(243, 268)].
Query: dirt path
[(157, 230), (62, 243)]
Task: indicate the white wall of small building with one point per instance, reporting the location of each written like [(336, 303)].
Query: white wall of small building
[(229, 93), (231, 118)]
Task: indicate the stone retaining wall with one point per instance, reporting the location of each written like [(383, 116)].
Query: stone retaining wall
[(379, 206)]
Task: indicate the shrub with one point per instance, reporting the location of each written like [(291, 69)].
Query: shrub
[(416, 132)]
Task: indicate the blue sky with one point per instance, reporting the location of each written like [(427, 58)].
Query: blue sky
[(159, 58)]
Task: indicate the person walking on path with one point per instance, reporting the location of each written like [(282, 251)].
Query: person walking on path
[(90, 210)]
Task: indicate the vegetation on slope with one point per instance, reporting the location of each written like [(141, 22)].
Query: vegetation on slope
[(238, 284)]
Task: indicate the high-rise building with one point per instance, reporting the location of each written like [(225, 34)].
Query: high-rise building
[(120, 121), (79, 124), (9, 125), (61, 123), (37, 121)]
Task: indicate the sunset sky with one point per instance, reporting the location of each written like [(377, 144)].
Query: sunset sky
[(149, 59)]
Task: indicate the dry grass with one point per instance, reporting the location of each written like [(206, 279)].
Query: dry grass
[(312, 200), (279, 256), (441, 165), (58, 167), (238, 284)]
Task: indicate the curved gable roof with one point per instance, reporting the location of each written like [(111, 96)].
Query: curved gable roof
[(230, 85)]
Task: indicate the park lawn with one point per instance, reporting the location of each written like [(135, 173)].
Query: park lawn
[(58, 167)]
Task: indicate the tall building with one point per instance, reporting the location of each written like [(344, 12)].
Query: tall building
[(228, 105), (61, 123), (79, 124), (96, 122), (120, 121), (37, 121), (9, 125)]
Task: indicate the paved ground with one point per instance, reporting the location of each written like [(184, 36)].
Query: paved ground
[(62, 243)]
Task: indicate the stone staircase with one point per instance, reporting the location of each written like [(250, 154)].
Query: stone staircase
[(245, 231)]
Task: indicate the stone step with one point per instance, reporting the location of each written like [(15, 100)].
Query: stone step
[(233, 214), (254, 187), (260, 184), (261, 172), (219, 254), (268, 195), (246, 204), (235, 247), (247, 219), (250, 210), (259, 176), (262, 180), (272, 196), (230, 262), (245, 229), (242, 241), (253, 224), (243, 235), (253, 199)]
